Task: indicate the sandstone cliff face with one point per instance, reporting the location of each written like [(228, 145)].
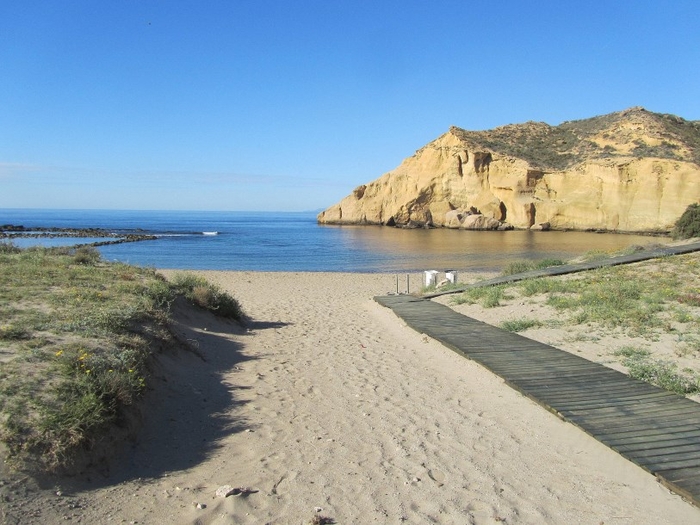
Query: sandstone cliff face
[(628, 171)]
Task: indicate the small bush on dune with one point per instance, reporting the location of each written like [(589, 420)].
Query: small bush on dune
[(688, 225), (664, 375), (527, 266), (520, 325), (488, 296), (543, 285), (208, 296), (87, 255), (8, 247), (518, 267)]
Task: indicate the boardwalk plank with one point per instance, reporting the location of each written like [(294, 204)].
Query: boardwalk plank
[(667, 412), (657, 447), (668, 453), (613, 438), (660, 465), (652, 405), (584, 402), (680, 474), (633, 423)]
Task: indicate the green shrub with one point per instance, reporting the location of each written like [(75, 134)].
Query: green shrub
[(547, 263), (12, 332), (8, 247), (518, 267), (527, 266), (688, 225), (519, 325), (530, 287), (663, 374), (630, 352), (596, 255), (86, 255), (488, 296), (208, 296)]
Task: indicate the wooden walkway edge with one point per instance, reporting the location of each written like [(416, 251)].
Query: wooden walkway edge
[(655, 429), (643, 255)]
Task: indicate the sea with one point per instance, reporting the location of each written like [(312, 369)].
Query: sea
[(295, 242)]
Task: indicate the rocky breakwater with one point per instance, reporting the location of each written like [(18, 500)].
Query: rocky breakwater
[(12, 231), (630, 171)]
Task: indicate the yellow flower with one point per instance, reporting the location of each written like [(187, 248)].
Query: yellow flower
[(59, 353)]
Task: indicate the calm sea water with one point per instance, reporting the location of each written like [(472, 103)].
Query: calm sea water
[(295, 242)]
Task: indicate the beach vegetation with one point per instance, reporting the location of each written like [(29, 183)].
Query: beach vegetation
[(487, 296), (528, 266), (520, 325), (8, 247), (88, 255), (632, 352), (207, 295), (77, 339), (543, 285), (657, 301), (659, 372), (613, 297), (688, 224)]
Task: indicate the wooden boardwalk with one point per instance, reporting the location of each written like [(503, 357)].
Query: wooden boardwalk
[(656, 429)]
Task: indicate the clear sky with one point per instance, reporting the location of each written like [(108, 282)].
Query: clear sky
[(288, 105)]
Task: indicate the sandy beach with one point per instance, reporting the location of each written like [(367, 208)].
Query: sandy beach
[(329, 408)]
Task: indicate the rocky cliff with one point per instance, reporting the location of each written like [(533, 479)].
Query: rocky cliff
[(633, 171)]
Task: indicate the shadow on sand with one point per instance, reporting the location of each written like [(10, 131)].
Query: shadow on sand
[(192, 403)]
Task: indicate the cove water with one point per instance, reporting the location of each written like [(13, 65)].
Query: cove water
[(287, 241)]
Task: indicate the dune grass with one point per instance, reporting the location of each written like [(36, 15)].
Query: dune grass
[(520, 325), (619, 296), (487, 296), (76, 338), (659, 372), (527, 266), (640, 300)]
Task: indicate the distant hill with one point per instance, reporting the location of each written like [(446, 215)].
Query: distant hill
[(632, 170)]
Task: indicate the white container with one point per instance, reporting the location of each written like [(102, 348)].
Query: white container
[(430, 278), (451, 276)]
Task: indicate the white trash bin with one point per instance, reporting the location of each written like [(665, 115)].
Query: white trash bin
[(430, 278), (451, 276)]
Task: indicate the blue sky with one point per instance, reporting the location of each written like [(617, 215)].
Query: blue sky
[(288, 105)]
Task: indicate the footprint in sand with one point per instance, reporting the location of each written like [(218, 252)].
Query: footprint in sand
[(437, 476)]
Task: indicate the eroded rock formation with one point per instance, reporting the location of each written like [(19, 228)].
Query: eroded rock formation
[(633, 171)]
